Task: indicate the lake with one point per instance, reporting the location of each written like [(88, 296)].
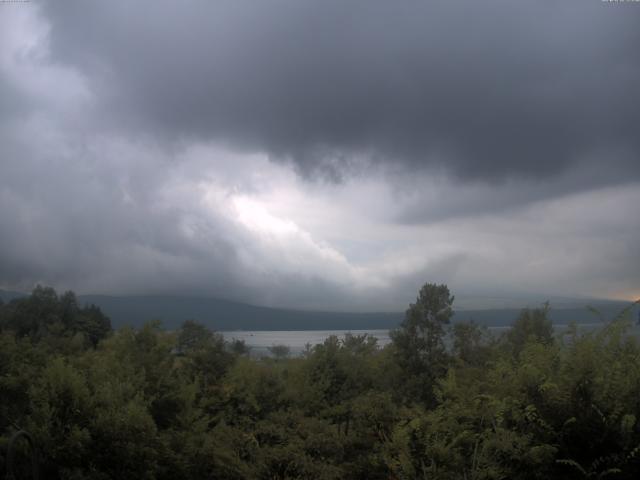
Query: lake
[(260, 341)]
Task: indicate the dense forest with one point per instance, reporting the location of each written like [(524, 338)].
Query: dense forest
[(443, 401)]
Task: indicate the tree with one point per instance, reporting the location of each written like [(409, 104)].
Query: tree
[(93, 323), (239, 347), (419, 342), (470, 343), (44, 314), (193, 336), (32, 316), (279, 351), (532, 325)]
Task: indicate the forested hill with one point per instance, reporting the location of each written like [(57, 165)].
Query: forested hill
[(227, 315)]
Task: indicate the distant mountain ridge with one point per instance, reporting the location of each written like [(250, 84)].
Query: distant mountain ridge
[(224, 315), (8, 295), (228, 315)]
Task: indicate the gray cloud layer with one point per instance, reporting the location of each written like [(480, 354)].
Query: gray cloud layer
[(485, 90), (155, 146)]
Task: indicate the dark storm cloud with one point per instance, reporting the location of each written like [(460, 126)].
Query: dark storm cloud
[(137, 138), (485, 90), (436, 200)]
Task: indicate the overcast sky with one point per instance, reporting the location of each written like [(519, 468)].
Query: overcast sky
[(321, 154)]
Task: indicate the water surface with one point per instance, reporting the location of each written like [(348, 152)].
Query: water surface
[(259, 341), (296, 340)]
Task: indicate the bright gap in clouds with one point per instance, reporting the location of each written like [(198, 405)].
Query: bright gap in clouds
[(252, 214), (281, 245)]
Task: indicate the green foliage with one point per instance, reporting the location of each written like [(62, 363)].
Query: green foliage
[(471, 343), (45, 316), (419, 342), (279, 351), (148, 403), (533, 325)]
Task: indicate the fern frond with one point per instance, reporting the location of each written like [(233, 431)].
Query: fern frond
[(572, 463)]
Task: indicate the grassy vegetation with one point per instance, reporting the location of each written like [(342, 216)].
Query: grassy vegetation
[(149, 403)]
